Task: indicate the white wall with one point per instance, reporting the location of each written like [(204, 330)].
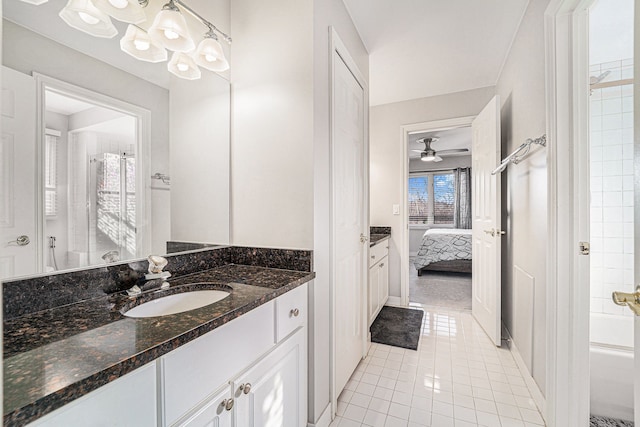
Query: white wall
[(386, 157), (326, 13), (521, 87), (272, 123), (200, 124)]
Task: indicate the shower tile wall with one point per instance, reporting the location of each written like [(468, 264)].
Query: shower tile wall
[(611, 150)]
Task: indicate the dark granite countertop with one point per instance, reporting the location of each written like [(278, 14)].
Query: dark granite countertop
[(374, 239), (54, 356)]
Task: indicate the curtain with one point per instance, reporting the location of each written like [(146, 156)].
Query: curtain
[(462, 208)]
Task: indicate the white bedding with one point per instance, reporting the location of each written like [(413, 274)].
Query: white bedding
[(443, 244)]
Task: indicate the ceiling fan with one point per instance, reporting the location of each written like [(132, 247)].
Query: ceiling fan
[(430, 155)]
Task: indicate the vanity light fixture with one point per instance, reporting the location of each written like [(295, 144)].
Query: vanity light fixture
[(122, 10), (84, 16), (170, 29), (209, 53), (137, 43), (183, 66)]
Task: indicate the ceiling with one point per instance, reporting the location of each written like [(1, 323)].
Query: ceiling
[(449, 139), (64, 104), (421, 48)]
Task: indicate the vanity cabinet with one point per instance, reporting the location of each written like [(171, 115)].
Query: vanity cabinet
[(378, 292), (269, 393), (127, 401), (217, 412), (251, 371)]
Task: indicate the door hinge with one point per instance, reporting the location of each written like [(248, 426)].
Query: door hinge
[(584, 248)]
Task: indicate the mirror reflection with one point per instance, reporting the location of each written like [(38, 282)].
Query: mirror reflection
[(106, 158)]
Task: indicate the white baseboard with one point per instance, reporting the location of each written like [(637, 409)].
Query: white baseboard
[(325, 418), (394, 301), (536, 394)]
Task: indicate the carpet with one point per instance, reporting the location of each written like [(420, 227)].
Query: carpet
[(608, 422), (440, 289), (399, 327)]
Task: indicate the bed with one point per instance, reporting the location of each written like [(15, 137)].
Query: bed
[(444, 249)]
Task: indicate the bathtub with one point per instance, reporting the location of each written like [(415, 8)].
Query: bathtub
[(611, 366)]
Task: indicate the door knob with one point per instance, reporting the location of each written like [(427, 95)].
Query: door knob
[(631, 300), (491, 231), (20, 241)]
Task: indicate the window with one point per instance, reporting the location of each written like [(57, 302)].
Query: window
[(50, 173), (431, 198)]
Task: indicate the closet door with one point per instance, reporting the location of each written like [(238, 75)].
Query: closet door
[(350, 237)]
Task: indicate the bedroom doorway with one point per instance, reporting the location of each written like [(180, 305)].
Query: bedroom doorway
[(438, 215)]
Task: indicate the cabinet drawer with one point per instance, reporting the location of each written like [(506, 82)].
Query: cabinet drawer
[(377, 252), (291, 311), (195, 370)]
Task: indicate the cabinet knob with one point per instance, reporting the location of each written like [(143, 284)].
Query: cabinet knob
[(245, 388), (381, 264), (295, 312), (227, 404), (373, 257)]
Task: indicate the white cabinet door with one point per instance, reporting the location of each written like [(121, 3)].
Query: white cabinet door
[(274, 391), (383, 282), (129, 401), (373, 293), (217, 413)]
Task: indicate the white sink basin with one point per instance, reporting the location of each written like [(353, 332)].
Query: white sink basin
[(177, 303)]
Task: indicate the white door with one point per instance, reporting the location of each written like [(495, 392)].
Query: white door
[(18, 175), (486, 288), (349, 248)]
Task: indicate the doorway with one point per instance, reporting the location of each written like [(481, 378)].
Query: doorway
[(96, 203), (439, 218)]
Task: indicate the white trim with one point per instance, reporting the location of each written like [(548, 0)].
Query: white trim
[(325, 418), (336, 45), (532, 386), (404, 239), (395, 301), (567, 296), (143, 128)]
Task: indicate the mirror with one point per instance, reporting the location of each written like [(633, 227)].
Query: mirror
[(106, 158)]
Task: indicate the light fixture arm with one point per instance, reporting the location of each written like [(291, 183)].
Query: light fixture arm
[(212, 28)]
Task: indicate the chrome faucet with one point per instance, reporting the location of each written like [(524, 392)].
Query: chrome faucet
[(156, 264)]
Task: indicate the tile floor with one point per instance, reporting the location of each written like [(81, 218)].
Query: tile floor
[(457, 377)]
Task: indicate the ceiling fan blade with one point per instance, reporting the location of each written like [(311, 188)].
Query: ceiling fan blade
[(453, 151), (417, 151), (437, 159)]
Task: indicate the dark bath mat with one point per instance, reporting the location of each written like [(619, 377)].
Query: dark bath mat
[(608, 422), (399, 327)]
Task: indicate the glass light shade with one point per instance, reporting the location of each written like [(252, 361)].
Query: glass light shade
[(84, 16), (35, 2), (137, 43), (427, 157), (183, 66), (170, 29), (122, 10), (209, 55)]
